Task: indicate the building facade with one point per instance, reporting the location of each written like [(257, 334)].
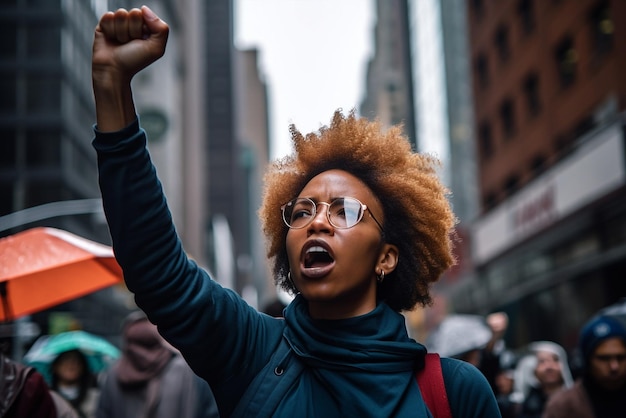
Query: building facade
[(46, 110), (389, 79), (549, 104), (46, 158)]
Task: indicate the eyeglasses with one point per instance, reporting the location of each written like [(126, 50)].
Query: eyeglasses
[(342, 213)]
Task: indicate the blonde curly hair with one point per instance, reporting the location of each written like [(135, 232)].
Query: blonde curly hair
[(418, 217)]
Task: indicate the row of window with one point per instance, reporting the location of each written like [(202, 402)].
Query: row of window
[(563, 145), (506, 115), (526, 15), (601, 30), (505, 119)]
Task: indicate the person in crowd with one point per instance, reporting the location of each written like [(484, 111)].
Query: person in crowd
[(24, 393), (504, 381), (490, 359), (151, 379), (551, 373), (74, 382), (358, 227), (601, 390)]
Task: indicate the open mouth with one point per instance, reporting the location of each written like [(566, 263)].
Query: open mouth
[(316, 257)]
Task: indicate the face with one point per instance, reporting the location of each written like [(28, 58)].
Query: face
[(69, 367), (607, 365), (504, 382), (548, 370), (335, 269)]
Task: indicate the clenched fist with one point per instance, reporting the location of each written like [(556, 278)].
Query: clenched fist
[(125, 42)]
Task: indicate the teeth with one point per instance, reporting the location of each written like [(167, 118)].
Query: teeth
[(316, 249)]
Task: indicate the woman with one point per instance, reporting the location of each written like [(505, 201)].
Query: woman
[(74, 382), (550, 374), (358, 227)]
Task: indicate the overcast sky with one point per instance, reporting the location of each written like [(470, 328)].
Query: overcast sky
[(313, 57)]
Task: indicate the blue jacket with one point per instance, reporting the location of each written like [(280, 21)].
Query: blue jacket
[(356, 367)]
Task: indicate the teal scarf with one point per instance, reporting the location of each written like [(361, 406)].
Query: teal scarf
[(362, 366)]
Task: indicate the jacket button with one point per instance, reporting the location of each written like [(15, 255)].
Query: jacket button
[(278, 371)]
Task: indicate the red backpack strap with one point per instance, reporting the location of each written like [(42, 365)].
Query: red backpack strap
[(430, 381)]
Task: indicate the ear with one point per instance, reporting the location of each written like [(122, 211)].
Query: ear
[(387, 259)]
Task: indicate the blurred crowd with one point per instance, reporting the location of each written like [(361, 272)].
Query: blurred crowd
[(150, 379), (67, 378), (540, 380)]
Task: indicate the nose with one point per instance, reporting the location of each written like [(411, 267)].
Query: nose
[(320, 221)]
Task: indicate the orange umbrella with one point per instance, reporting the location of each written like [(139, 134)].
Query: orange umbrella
[(43, 267)]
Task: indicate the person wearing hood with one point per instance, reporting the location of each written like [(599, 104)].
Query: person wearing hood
[(74, 382), (601, 390), (550, 374), (358, 228), (151, 379)]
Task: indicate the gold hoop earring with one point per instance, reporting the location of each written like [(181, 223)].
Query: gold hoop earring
[(381, 276)]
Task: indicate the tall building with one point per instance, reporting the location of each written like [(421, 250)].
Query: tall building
[(227, 213), (253, 138), (550, 100), (46, 157), (443, 91), (389, 88), (419, 76), (46, 110)]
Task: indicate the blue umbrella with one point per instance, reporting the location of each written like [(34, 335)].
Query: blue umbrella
[(100, 354)]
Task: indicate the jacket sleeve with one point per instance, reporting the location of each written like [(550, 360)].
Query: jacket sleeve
[(469, 392), (213, 327)]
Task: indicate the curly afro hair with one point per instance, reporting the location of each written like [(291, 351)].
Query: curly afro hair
[(417, 213)]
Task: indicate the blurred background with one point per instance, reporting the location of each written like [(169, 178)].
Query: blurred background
[(523, 101)]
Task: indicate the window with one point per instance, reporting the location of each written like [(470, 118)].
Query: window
[(6, 203), (566, 60), (490, 200), (479, 8), (8, 93), (485, 140), (602, 29), (526, 13), (44, 4), (8, 147), (562, 144), (501, 42), (43, 93), (507, 118), (38, 193), (538, 165), (531, 92), (582, 127), (43, 41), (8, 34), (511, 184), (482, 70), (43, 148)]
